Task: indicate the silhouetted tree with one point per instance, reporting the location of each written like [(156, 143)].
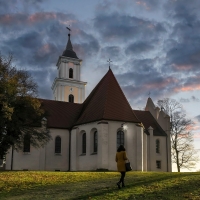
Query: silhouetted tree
[(183, 153), (20, 111)]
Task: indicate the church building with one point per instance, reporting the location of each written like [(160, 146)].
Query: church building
[(87, 132)]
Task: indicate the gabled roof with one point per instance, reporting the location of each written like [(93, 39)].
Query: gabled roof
[(148, 120), (68, 52), (60, 114), (106, 102), (149, 104)]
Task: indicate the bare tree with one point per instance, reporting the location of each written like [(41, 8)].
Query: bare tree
[(183, 153)]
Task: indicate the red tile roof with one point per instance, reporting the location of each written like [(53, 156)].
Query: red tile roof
[(148, 120), (107, 102), (60, 114)]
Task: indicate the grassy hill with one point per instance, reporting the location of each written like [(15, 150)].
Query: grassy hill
[(18, 185)]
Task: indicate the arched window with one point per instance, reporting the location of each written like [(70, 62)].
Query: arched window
[(27, 143), (95, 141), (157, 146), (84, 143), (70, 73), (120, 138), (58, 144), (71, 98)]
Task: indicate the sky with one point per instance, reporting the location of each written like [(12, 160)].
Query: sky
[(154, 46)]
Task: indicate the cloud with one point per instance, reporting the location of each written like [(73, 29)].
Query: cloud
[(148, 4), (112, 52), (118, 27), (139, 47), (160, 55), (184, 100), (182, 49), (198, 117), (19, 6), (87, 46), (143, 77)]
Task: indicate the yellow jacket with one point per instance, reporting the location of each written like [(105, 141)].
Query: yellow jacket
[(120, 159)]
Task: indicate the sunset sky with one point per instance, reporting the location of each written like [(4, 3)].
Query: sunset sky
[(154, 45)]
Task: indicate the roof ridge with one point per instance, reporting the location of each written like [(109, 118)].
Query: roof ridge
[(87, 100), (157, 122), (107, 102), (124, 96), (106, 96)]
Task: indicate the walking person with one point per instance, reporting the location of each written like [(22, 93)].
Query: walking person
[(121, 159)]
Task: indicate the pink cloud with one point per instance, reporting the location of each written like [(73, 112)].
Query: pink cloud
[(35, 18), (45, 49), (41, 16), (141, 3), (196, 135), (182, 67), (163, 84), (188, 88), (6, 19)]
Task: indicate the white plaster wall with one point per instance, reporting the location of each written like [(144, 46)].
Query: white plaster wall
[(130, 143), (162, 156), (86, 161), (24, 161), (145, 152), (139, 149), (43, 158), (74, 149), (107, 146), (58, 161)]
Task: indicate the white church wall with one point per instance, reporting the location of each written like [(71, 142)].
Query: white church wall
[(139, 149), (74, 149), (145, 154), (162, 155), (153, 156), (103, 141), (42, 158), (107, 146), (23, 160), (87, 161), (151, 148), (129, 143), (57, 161)]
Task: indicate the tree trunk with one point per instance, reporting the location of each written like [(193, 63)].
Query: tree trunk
[(177, 161)]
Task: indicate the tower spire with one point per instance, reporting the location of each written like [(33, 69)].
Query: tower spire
[(69, 48), (69, 44)]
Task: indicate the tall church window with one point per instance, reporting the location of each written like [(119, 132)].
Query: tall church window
[(120, 138), (71, 98), (70, 73), (84, 143), (27, 143), (95, 141), (58, 144), (157, 146)]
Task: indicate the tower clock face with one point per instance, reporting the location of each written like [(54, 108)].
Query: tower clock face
[(71, 89)]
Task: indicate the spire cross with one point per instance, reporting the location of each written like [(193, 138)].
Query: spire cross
[(68, 29), (109, 61), (149, 94)]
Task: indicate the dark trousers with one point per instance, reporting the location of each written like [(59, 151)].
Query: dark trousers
[(123, 174)]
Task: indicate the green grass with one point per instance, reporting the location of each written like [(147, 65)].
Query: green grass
[(18, 185)]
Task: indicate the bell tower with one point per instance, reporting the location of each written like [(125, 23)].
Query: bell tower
[(67, 86)]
